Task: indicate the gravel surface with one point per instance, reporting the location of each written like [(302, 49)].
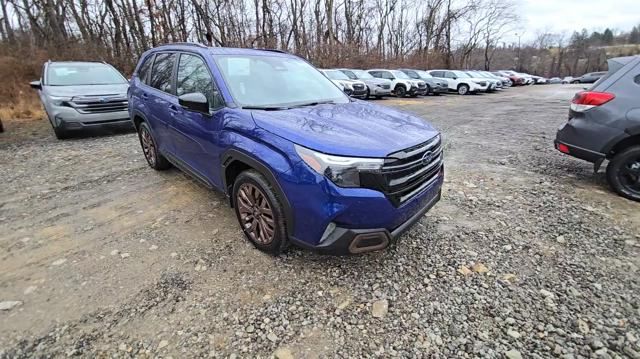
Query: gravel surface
[(528, 255)]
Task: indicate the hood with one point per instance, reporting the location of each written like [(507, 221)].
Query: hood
[(87, 90), (356, 128)]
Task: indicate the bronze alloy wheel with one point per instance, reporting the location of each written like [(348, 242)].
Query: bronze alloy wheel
[(148, 146), (256, 215)]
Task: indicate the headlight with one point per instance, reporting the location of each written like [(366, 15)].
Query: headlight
[(59, 100), (347, 85), (343, 171)]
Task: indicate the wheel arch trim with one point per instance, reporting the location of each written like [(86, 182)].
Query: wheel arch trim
[(232, 155)]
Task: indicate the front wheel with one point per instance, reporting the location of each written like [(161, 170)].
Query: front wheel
[(259, 212), (367, 95), (400, 91), (623, 173), (155, 160), (463, 89)]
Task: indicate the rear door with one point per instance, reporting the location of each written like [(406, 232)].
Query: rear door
[(194, 134), (160, 98)]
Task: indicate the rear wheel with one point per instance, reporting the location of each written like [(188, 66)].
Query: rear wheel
[(259, 212), (623, 173), (463, 89), (400, 91), (155, 160)]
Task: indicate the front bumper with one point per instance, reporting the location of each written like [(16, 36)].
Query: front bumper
[(359, 93), (440, 89), (344, 241), (379, 91), (365, 220), (70, 119)]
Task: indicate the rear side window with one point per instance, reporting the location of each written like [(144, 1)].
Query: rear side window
[(162, 72), (143, 73), (193, 76)]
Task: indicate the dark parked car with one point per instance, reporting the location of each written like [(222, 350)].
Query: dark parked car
[(81, 95), (300, 161), (604, 124), (434, 86), (589, 78)]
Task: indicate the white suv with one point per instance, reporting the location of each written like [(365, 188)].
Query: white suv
[(401, 84), (460, 82)]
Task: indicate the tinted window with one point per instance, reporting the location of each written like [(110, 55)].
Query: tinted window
[(162, 71), (437, 74), (387, 75), (275, 81), (144, 69), (193, 76), (449, 74), (375, 74), (350, 74), (412, 74), (69, 74)]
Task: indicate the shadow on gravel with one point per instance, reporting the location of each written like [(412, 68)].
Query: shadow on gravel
[(101, 132)]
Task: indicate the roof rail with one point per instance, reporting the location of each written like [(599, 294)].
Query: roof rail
[(186, 43), (272, 50)]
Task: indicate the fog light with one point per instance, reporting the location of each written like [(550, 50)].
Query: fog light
[(330, 228)]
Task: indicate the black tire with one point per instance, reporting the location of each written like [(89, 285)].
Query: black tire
[(270, 215), (1, 126), (400, 91), (367, 96), (623, 173), (463, 89), (429, 91), (150, 150)]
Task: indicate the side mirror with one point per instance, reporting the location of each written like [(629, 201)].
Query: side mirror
[(36, 85), (455, 78), (196, 102)]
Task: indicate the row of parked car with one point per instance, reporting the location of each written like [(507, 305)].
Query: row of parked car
[(413, 82)]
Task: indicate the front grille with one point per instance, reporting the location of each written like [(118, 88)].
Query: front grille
[(422, 86), (99, 104), (482, 83), (406, 173), (358, 87), (386, 87)]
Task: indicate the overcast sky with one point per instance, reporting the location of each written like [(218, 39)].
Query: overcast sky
[(570, 15)]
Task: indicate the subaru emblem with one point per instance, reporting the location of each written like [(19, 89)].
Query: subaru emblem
[(427, 157)]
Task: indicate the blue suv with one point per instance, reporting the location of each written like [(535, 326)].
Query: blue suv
[(300, 161)]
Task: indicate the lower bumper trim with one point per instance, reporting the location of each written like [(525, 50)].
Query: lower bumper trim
[(581, 153), (344, 241)]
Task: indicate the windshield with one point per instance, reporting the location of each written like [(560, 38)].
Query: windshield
[(361, 74), (83, 74), (399, 74), (349, 74), (275, 81), (461, 74), (335, 75), (424, 74)]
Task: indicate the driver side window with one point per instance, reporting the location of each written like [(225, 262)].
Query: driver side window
[(193, 76)]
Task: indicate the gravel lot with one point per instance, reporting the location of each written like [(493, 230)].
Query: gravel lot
[(528, 254)]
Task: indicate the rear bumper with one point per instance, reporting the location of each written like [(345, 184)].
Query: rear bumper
[(586, 139)]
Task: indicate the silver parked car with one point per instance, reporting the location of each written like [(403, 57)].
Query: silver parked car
[(375, 87), (80, 95)]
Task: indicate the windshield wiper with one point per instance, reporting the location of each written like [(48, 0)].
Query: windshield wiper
[(266, 108), (314, 103)]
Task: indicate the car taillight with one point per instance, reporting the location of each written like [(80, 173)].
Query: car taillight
[(586, 100)]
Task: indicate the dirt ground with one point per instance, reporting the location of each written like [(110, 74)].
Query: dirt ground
[(106, 257)]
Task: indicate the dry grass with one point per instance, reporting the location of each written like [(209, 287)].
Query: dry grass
[(26, 107)]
